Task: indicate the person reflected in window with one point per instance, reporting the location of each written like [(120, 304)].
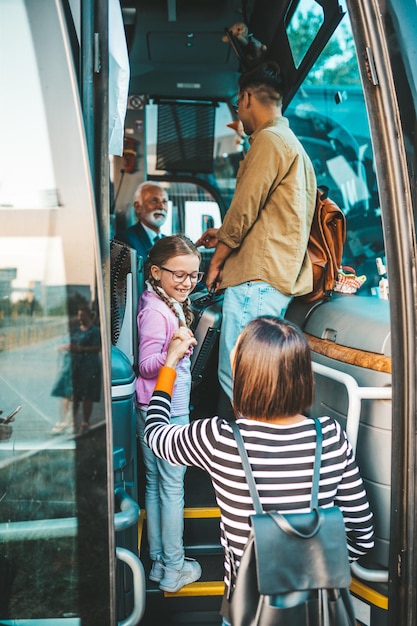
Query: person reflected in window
[(80, 378), (63, 390), (151, 207), (85, 348)]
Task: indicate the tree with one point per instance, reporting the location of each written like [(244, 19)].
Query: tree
[(337, 64)]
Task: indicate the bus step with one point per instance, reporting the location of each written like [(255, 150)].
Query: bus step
[(200, 588)]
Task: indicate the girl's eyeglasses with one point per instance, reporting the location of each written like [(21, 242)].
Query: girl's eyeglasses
[(180, 277)]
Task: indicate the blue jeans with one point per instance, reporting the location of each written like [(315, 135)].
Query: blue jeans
[(164, 501), (242, 304)]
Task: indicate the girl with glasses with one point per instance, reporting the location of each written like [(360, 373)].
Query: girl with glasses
[(172, 272)]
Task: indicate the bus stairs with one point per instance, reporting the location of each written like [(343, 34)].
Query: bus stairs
[(197, 603)]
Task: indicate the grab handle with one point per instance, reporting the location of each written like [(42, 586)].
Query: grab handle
[(355, 396), (139, 587)]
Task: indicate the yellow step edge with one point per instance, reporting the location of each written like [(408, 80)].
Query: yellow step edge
[(369, 595), (141, 520), (209, 588), (211, 512), (194, 512), (201, 512)]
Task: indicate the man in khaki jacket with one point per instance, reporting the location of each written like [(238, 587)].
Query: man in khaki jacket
[(261, 248)]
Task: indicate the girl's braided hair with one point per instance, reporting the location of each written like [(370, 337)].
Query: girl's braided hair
[(164, 249)]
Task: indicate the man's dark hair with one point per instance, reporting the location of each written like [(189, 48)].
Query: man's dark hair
[(265, 77)]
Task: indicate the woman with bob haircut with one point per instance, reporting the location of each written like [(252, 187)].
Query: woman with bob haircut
[(274, 356), (273, 389)]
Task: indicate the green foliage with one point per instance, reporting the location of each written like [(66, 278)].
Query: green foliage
[(337, 64)]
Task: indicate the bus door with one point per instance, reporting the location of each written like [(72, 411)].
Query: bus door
[(57, 501), (354, 109)]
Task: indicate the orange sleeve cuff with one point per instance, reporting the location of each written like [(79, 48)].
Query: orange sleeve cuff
[(166, 379)]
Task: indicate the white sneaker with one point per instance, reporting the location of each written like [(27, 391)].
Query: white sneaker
[(174, 579), (157, 570)]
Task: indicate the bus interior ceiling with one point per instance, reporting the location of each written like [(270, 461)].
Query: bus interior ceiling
[(177, 47), (182, 61)]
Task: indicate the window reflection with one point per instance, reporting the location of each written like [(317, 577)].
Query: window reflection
[(329, 116), (45, 324), (25, 144), (53, 486), (46, 320)]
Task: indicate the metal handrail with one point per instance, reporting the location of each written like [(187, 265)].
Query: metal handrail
[(139, 586), (67, 526), (39, 529), (355, 396)]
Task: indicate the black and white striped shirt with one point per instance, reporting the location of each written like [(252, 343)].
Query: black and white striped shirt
[(282, 460)]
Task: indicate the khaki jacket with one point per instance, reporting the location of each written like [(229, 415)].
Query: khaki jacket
[(269, 219)]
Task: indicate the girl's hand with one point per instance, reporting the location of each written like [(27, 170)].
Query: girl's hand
[(179, 346)]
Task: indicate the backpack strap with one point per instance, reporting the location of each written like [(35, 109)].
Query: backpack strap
[(317, 465), (247, 468), (248, 472)]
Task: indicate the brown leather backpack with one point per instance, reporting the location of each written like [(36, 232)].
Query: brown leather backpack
[(325, 246)]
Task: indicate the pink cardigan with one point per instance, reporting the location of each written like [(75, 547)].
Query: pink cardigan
[(156, 325)]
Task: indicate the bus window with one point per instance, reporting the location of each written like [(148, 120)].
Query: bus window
[(329, 116), (55, 541), (298, 18)]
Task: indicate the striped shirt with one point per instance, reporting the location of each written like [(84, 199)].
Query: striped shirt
[(282, 460)]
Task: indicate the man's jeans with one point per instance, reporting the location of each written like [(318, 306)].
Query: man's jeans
[(164, 501), (242, 304)]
